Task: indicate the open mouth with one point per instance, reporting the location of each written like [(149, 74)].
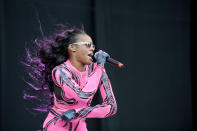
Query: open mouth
[(90, 55)]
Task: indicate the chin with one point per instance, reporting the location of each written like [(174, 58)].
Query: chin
[(88, 62)]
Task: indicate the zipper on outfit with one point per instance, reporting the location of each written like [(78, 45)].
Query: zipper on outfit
[(80, 81)]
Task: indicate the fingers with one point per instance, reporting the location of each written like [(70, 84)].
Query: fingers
[(65, 123), (68, 116), (100, 52), (101, 56)]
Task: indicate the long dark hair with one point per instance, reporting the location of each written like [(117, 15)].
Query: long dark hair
[(47, 53)]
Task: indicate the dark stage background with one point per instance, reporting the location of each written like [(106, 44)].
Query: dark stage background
[(151, 37)]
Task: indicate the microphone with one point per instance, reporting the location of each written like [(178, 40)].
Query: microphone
[(114, 62), (108, 59)]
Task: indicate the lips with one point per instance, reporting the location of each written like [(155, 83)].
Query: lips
[(90, 55)]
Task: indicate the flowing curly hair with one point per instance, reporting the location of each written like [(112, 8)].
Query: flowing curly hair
[(47, 53)]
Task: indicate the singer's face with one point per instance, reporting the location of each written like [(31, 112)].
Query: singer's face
[(84, 52)]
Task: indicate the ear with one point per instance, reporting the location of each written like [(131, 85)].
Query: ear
[(72, 48)]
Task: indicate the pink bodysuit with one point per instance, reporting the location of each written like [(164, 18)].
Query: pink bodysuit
[(75, 90)]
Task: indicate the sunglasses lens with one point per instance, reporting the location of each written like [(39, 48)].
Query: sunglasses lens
[(89, 45)]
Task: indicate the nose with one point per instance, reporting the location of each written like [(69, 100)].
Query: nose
[(92, 48)]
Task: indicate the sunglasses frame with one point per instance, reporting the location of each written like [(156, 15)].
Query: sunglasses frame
[(88, 44)]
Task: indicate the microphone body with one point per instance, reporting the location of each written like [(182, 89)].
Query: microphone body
[(114, 62)]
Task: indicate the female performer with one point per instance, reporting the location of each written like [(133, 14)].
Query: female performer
[(73, 80)]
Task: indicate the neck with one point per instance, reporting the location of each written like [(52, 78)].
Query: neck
[(78, 65)]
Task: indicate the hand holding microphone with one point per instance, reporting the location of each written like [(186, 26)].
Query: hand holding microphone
[(103, 57)]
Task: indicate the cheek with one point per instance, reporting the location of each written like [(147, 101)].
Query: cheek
[(82, 54)]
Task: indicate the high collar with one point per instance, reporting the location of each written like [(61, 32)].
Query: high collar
[(71, 67)]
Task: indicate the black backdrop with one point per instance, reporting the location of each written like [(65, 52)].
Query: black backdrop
[(151, 37)]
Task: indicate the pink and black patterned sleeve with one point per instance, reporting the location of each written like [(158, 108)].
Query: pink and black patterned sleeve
[(108, 107)]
